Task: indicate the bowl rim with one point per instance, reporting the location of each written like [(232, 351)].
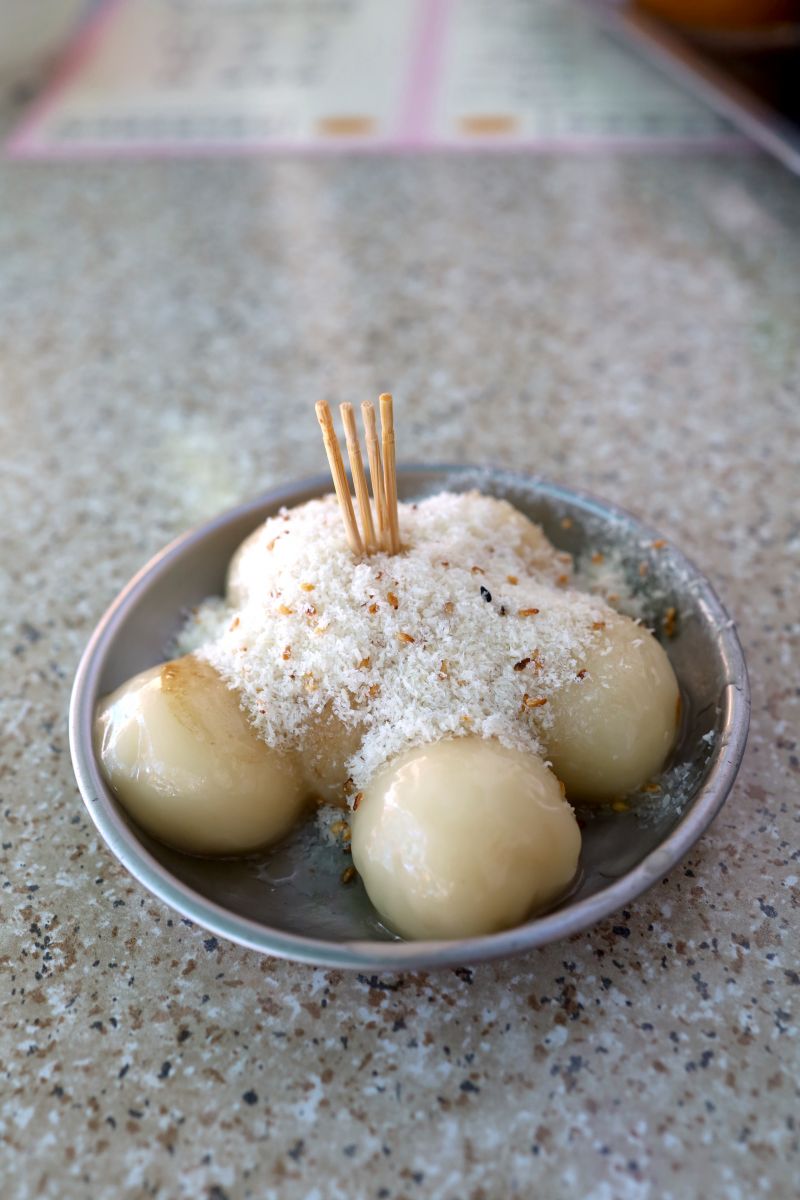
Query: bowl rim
[(360, 954)]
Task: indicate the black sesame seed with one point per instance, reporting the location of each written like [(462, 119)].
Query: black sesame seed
[(486, 594)]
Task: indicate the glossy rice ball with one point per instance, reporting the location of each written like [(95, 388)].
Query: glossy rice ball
[(463, 837), (613, 729), (530, 542), (241, 569), (179, 753), (327, 746)]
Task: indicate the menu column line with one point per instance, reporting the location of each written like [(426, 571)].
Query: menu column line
[(426, 61)]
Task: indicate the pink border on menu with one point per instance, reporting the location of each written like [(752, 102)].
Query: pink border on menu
[(431, 22), (22, 143), (427, 55), (98, 151)]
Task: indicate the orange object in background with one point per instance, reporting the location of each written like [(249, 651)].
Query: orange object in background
[(724, 14)]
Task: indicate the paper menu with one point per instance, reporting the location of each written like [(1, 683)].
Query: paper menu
[(217, 73), (540, 72), (249, 76)]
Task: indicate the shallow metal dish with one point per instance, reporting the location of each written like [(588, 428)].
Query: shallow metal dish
[(289, 902)]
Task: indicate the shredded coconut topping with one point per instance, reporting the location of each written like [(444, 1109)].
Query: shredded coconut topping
[(468, 631)]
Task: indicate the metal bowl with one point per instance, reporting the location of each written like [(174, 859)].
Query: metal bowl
[(289, 902)]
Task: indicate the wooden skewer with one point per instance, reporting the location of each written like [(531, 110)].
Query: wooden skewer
[(339, 477), (359, 478), (390, 472), (375, 471)]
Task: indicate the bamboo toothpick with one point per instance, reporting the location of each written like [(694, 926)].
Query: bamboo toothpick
[(339, 477), (390, 472), (359, 478), (375, 471)]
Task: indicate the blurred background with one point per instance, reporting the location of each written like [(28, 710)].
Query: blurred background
[(227, 76)]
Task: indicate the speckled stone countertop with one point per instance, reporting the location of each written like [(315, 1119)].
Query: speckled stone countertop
[(628, 325)]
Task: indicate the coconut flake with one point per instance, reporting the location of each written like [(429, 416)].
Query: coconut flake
[(407, 647)]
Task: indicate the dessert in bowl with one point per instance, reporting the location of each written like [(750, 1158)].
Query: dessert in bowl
[(500, 749)]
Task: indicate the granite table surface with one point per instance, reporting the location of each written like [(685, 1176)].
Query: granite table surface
[(626, 324)]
